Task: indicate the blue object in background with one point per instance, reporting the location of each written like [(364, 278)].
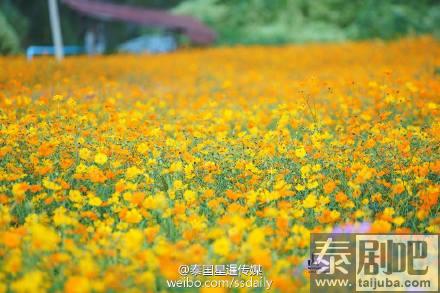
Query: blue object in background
[(50, 50), (149, 44)]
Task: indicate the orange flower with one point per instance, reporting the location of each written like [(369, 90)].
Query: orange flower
[(19, 190), (133, 216), (329, 187), (380, 226), (46, 149), (137, 198), (11, 239), (232, 195), (341, 197)]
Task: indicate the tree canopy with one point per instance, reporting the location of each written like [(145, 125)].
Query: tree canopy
[(237, 21)]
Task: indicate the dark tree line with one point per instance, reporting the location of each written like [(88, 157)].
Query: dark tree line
[(29, 22), (25, 22)]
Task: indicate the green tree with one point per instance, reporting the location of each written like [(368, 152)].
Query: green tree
[(9, 42)]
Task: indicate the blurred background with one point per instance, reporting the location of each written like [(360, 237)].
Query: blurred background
[(24, 23)]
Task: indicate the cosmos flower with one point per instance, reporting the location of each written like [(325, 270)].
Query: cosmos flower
[(100, 159), (114, 173)]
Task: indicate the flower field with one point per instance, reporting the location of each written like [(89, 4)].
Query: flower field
[(116, 170)]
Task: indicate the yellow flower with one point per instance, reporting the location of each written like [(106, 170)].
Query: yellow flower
[(298, 213), (51, 185), (132, 241), (312, 184), (30, 282), (222, 246), (75, 196), (160, 201), (189, 196), (88, 267), (147, 279), (300, 152), (84, 154), (133, 216), (178, 184), (81, 168), (142, 148), (359, 214), (13, 263), (305, 170), (43, 237), (189, 171), (256, 237), (133, 172), (335, 215), (176, 167), (5, 215), (60, 217), (398, 221), (389, 212), (316, 168), (310, 201), (100, 158), (58, 98), (95, 201)]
